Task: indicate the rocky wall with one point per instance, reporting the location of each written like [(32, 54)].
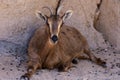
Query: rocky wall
[(109, 21), (18, 20)]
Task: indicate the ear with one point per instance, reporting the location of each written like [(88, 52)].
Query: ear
[(41, 15), (67, 15)]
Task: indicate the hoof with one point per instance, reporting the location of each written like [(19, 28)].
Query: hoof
[(61, 69), (64, 68), (24, 78), (74, 61), (104, 65)]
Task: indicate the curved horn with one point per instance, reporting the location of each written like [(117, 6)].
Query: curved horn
[(46, 7), (58, 8)]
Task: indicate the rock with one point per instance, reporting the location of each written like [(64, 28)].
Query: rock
[(109, 21), (18, 20)]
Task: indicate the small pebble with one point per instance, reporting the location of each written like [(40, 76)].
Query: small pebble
[(111, 45), (105, 40), (93, 66), (58, 74), (111, 62), (11, 69), (89, 72), (114, 52), (105, 59), (118, 65), (95, 73), (111, 74), (22, 70), (3, 68), (106, 49), (11, 63), (114, 60), (37, 73), (109, 54), (112, 66), (119, 73), (18, 69), (99, 71)]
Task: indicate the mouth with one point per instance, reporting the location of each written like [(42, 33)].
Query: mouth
[(52, 42)]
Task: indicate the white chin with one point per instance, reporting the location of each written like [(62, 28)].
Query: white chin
[(52, 43)]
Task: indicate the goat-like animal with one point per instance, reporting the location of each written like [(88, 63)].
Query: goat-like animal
[(56, 45)]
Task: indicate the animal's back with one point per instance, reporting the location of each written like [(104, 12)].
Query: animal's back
[(71, 40)]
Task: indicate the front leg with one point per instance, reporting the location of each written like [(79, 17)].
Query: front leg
[(33, 65), (64, 67)]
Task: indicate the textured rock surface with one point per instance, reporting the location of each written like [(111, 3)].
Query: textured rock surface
[(109, 21), (13, 66), (18, 22)]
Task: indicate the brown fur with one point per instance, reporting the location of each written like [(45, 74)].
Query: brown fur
[(71, 45)]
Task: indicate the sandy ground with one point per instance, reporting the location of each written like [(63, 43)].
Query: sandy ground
[(13, 65)]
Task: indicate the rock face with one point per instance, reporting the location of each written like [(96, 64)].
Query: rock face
[(18, 23), (109, 21), (18, 20)]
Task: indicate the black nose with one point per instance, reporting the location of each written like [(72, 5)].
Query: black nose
[(54, 38)]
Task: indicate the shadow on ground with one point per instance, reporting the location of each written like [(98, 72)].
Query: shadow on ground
[(13, 60)]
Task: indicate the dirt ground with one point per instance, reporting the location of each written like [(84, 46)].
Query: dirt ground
[(13, 65)]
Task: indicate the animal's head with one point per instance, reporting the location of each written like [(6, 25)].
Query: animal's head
[(55, 21)]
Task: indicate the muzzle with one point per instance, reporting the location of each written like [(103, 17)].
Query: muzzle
[(54, 38)]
